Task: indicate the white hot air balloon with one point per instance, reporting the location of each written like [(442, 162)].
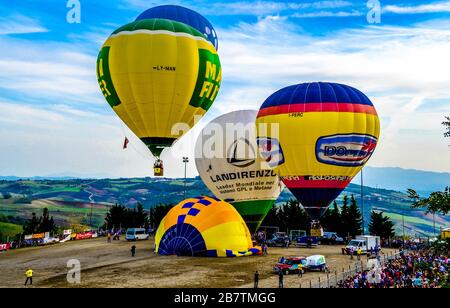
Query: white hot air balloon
[(228, 161)]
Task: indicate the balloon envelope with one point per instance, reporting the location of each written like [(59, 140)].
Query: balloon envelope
[(326, 133), (204, 226), (184, 15), (227, 159), (155, 73)]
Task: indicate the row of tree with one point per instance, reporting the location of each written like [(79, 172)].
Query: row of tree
[(345, 220), (120, 216), (41, 224)]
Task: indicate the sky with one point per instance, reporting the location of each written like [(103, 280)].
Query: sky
[(55, 121)]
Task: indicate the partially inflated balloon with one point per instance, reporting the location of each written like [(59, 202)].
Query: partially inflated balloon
[(156, 73), (204, 226), (327, 132), (184, 15), (227, 159)]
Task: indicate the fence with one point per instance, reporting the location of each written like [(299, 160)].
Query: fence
[(332, 278)]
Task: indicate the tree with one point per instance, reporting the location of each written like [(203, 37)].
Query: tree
[(333, 220), (31, 226), (45, 223), (446, 124), (157, 214), (437, 202), (354, 218), (381, 225), (140, 217), (116, 217)]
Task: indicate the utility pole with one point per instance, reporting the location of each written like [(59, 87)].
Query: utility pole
[(403, 222), (362, 203), (434, 226), (185, 161)]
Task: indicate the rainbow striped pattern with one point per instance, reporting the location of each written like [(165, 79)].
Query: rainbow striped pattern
[(326, 133)]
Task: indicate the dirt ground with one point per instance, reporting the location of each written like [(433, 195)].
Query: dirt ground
[(111, 265)]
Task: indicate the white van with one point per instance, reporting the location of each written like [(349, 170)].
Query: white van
[(136, 234)]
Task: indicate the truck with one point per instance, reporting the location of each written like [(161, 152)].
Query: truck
[(365, 242)]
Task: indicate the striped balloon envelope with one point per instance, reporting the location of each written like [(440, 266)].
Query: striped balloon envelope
[(324, 134), (184, 15), (156, 73), (204, 227)]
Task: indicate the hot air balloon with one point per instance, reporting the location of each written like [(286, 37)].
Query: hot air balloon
[(184, 15), (155, 73), (204, 227), (326, 133), (227, 159)]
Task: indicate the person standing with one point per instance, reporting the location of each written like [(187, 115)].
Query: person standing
[(109, 237), (29, 275), (256, 280), (358, 253), (300, 270), (280, 279), (133, 250)]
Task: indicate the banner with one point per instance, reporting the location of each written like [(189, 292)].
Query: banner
[(84, 236), (28, 237), (38, 235), (67, 232), (5, 246)]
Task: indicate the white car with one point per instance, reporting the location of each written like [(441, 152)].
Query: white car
[(50, 240), (136, 234)]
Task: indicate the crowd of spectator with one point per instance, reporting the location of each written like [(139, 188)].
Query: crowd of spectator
[(414, 269)]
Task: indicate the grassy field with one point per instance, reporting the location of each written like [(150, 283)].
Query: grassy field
[(9, 230)]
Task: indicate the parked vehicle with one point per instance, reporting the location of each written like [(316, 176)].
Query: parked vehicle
[(364, 242), (290, 265), (280, 239), (331, 238), (307, 241), (136, 234), (50, 240), (316, 263)]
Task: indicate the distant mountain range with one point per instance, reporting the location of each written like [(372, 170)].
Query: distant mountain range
[(400, 179)]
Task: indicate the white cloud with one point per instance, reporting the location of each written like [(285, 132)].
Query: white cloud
[(400, 68), (49, 71), (20, 24), (436, 7), (328, 14), (252, 8)]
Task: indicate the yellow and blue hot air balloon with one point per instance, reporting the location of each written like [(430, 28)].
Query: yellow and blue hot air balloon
[(156, 73), (327, 132), (186, 16), (204, 226)]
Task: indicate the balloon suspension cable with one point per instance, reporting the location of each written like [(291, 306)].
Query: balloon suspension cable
[(144, 156)]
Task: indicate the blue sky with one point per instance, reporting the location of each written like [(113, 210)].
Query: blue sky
[(55, 120)]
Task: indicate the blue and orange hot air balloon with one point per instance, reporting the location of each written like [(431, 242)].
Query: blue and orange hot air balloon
[(204, 227), (326, 133)]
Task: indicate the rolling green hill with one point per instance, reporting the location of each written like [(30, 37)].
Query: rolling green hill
[(72, 200)]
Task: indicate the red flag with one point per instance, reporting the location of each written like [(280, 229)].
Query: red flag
[(125, 143)]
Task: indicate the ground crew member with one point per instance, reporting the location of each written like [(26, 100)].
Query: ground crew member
[(280, 279), (256, 280), (358, 253), (300, 270), (29, 275), (133, 250)]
